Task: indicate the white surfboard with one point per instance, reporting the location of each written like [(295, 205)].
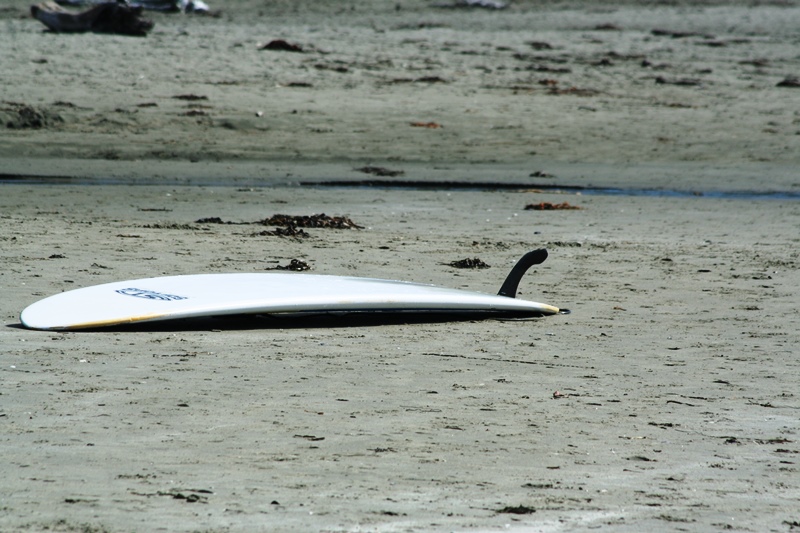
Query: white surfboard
[(203, 295)]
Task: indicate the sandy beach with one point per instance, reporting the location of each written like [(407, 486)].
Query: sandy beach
[(666, 401)]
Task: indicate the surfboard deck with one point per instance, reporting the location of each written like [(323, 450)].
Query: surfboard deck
[(203, 295)]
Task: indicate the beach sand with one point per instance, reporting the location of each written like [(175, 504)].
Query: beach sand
[(666, 401)]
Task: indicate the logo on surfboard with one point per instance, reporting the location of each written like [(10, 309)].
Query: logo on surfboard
[(150, 295)]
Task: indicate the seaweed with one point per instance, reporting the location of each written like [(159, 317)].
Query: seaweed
[(547, 206), (310, 221), (469, 263)]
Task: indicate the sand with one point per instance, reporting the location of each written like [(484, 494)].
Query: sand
[(666, 401)]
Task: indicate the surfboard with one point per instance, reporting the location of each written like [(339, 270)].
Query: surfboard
[(203, 295)]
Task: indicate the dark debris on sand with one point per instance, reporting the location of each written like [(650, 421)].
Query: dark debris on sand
[(295, 265), (380, 171), (469, 263), (310, 221), (282, 46), (289, 231), (516, 509), (547, 206), (15, 115)]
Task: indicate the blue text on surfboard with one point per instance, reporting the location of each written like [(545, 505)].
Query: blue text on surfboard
[(150, 295)]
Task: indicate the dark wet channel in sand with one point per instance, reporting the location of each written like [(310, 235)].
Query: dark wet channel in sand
[(432, 185)]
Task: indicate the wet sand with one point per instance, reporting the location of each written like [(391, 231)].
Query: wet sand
[(676, 372)]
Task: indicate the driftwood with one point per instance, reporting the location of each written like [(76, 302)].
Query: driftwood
[(108, 17)]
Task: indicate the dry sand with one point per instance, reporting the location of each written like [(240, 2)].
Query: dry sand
[(677, 370)]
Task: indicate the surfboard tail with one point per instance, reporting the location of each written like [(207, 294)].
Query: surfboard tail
[(511, 284)]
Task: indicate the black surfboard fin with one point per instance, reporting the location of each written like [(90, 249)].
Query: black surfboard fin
[(511, 283)]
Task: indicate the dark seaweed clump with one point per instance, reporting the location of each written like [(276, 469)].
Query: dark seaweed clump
[(469, 263), (310, 221)]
